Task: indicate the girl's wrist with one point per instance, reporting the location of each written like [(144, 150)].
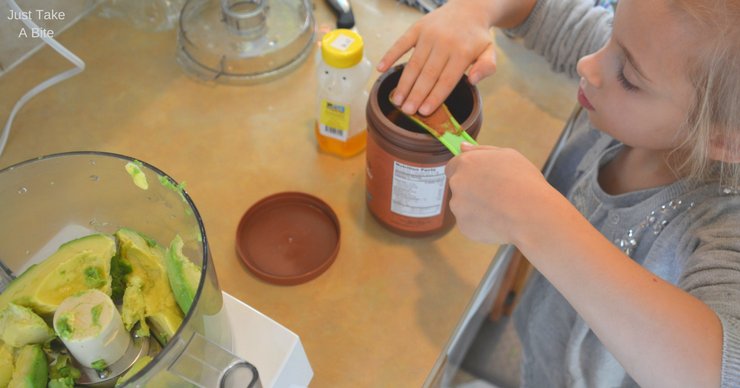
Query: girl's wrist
[(477, 11), (508, 13), (536, 225)]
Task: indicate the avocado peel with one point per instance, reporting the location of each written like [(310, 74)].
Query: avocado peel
[(184, 276)]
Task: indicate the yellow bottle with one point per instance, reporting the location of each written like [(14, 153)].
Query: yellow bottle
[(343, 71)]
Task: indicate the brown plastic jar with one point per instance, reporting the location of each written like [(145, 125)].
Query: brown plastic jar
[(406, 187)]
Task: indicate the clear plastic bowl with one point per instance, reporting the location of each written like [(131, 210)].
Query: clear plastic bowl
[(53, 199), (244, 41)]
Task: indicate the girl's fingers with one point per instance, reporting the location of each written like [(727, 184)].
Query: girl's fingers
[(465, 147), (454, 164), (445, 82), (405, 43), (425, 82), (484, 65), (451, 167), (410, 73)]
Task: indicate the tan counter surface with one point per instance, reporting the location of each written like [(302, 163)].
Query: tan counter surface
[(384, 310)]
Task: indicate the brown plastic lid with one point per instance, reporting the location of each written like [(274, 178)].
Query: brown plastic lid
[(288, 238)]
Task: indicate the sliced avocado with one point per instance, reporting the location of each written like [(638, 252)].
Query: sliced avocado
[(183, 274), (76, 266), (147, 264), (119, 270), (20, 326), (31, 369), (6, 364), (134, 169), (138, 365), (99, 365), (62, 382), (62, 374), (134, 307)]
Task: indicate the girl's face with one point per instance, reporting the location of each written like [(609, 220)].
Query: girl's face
[(636, 88)]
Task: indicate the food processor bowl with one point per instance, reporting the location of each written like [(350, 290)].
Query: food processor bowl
[(244, 41), (53, 199)]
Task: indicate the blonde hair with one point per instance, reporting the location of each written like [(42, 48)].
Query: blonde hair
[(715, 74)]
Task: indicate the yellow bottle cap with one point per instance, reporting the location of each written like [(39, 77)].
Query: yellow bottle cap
[(342, 48)]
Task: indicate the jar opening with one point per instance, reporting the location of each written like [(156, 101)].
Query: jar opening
[(460, 102)]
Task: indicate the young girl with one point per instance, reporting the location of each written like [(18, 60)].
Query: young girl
[(636, 238)]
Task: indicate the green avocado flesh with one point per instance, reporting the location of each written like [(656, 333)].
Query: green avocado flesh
[(77, 265), (20, 326), (147, 298), (6, 364), (31, 369), (152, 288), (62, 373)]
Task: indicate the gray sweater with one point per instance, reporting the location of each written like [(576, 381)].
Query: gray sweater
[(688, 234)]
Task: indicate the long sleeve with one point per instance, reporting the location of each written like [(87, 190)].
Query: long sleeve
[(563, 31), (712, 272)]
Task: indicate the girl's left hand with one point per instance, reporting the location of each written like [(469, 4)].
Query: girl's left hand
[(497, 194)]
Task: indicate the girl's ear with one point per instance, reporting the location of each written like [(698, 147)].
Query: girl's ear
[(725, 147)]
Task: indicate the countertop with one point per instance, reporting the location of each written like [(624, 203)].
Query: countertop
[(381, 314)]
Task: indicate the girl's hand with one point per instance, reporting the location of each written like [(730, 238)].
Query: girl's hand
[(497, 194), (446, 42)]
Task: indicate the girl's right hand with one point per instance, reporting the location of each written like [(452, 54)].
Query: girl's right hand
[(499, 196), (446, 42)]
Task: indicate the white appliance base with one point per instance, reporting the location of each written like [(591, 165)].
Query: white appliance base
[(275, 351)]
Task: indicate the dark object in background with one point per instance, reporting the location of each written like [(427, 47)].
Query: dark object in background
[(343, 10)]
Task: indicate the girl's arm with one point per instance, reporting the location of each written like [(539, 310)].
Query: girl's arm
[(662, 335)]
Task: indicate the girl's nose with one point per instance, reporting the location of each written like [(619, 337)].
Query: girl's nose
[(589, 68)]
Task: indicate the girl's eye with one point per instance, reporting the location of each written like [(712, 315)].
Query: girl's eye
[(344, 78), (626, 84), (326, 72)]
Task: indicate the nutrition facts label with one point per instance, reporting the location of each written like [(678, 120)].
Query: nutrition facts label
[(417, 191)]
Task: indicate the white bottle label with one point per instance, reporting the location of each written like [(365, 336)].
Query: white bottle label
[(417, 191), (342, 42)]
